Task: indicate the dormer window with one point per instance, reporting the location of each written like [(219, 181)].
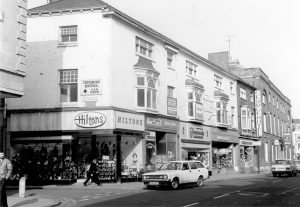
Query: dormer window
[(144, 48)]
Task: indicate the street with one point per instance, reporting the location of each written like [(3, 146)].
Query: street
[(262, 190)]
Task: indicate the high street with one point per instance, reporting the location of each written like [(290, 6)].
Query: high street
[(255, 190)]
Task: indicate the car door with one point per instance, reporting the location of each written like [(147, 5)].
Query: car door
[(185, 173), (195, 172)]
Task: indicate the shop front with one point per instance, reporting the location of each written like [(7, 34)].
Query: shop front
[(195, 143), (66, 142), (224, 151), (160, 141), (248, 155)]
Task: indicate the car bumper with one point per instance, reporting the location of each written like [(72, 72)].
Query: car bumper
[(281, 171), (156, 182)]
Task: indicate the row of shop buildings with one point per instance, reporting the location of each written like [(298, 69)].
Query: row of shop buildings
[(100, 84)]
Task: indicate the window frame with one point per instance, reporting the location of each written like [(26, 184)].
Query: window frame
[(192, 101), (69, 79), (149, 95), (218, 82), (190, 66), (243, 93), (144, 48), (69, 35), (223, 112)]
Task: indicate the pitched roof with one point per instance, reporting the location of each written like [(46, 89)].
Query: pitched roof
[(63, 5)]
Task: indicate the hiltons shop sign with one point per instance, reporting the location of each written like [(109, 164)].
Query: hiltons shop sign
[(89, 119)]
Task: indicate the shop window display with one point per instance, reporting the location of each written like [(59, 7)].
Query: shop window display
[(201, 156), (42, 162), (222, 158), (246, 155)]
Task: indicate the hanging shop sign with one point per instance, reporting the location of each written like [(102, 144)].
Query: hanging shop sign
[(150, 136), (129, 121), (276, 142), (249, 142), (89, 119)]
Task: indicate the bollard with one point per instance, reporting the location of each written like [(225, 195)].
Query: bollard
[(22, 186)]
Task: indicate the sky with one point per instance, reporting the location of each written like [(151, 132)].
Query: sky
[(263, 33)]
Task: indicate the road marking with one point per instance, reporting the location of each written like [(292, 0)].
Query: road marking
[(264, 195), (276, 181), (245, 194), (85, 196), (285, 192), (86, 199), (191, 204), (226, 194)]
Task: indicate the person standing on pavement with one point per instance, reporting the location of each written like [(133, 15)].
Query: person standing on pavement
[(92, 173), (5, 171)]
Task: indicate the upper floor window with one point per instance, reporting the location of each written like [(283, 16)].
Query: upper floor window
[(269, 98), (273, 101), (246, 121), (277, 105), (221, 112), (243, 93), (191, 69), (194, 100), (146, 92), (264, 99), (270, 121), (232, 116), (251, 97), (265, 122), (218, 81), (68, 34), (143, 47), (170, 58), (68, 82), (171, 90)]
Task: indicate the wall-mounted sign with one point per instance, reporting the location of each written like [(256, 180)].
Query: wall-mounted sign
[(150, 136), (258, 112), (156, 123), (129, 121), (90, 89), (89, 119), (172, 106), (196, 132), (198, 111), (276, 142)]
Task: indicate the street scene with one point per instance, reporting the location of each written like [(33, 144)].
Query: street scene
[(149, 103)]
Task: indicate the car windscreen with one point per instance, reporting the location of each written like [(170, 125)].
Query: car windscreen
[(171, 166), (282, 162)]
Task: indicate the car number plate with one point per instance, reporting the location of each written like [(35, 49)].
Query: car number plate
[(153, 183)]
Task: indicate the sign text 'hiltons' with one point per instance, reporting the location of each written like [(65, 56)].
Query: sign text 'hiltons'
[(89, 119), (132, 121)]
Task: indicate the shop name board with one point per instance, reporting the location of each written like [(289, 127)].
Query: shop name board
[(89, 119), (258, 112), (196, 133), (250, 143), (129, 121), (163, 124), (154, 122)]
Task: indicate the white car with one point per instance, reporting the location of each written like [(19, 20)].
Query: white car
[(297, 163), (281, 167), (176, 173)]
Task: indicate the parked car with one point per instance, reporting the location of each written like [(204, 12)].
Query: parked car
[(297, 163), (281, 167), (175, 173)]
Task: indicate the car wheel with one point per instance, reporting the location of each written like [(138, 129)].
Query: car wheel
[(175, 183), (200, 181)]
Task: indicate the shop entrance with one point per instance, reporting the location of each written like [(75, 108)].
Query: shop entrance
[(222, 157)]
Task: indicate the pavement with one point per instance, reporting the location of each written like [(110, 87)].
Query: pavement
[(39, 201)]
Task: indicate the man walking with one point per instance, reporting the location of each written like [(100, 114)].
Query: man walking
[(5, 171), (92, 174)]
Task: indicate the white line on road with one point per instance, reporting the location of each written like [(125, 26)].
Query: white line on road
[(276, 181), (226, 194), (190, 205), (289, 191), (86, 199), (85, 196)]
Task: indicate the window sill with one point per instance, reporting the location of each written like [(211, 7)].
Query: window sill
[(219, 89), (191, 76), (144, 56), (67, 44), (69, 104), (171, 68), (147, 110)]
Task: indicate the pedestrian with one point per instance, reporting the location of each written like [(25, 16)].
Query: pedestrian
[(5, 171), (92, 174)]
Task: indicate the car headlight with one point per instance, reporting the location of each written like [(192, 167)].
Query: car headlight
[(144, 177), (288, 168), (165, 177)]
